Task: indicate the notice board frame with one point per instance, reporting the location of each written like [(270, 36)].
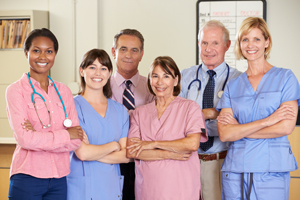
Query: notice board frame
[(199, 16)]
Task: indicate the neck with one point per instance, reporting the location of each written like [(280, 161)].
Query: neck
[(258, 67), (94, 96), (127, 74), (163, 102), (41, 78)]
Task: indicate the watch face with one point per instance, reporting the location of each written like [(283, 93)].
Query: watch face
[(220, 93), (67, 123)]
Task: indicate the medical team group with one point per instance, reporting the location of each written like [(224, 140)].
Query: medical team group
[(126, 136)]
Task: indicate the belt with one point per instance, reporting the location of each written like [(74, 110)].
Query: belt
[(216, 156)]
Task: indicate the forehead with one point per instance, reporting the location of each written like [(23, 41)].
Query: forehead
[(212, 34), (42, 41), (253, 32), (129, 41)]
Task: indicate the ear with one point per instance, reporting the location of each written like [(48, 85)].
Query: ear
[(142, 53), (267, 43), (176, 81), (113, 52), (26, 54), (81, 72), (228, 44)]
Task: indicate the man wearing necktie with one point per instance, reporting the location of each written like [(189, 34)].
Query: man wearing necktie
[(213, 40), (129, 87)]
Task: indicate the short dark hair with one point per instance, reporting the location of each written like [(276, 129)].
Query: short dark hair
[(88, 59), (131, 32), (44, 32), (166, 64)]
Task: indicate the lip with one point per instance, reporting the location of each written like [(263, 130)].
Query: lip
[(159, 89)]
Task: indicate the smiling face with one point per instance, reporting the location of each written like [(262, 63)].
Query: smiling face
[(212, 47), (41, 56), (162, 83), (127, 55), (95, 76), (253, 45)]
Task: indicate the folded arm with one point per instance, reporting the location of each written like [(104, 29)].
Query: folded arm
[(154, 154), (278, 124)]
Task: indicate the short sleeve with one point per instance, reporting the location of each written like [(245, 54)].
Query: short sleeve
[(134, 130), (125, 121), (291, 89), (195, 122)]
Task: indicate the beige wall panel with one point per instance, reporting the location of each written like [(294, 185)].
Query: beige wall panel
[(5, 130), (3, 101), (14, 65), (294, 189), (4, 183), (294, 139)]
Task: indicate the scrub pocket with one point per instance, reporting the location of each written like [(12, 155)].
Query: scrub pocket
[(231, 186), (272, 186)]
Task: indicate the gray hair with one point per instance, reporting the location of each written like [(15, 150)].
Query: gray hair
[(215, 23)]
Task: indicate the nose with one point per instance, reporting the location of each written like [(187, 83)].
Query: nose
[(98, 71), (128, 54), (208, 48), (42, 55)]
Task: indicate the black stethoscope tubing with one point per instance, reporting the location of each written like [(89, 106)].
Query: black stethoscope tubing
[(198, 80)]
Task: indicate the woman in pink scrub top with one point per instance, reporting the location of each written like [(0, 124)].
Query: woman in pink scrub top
[(164, 137)]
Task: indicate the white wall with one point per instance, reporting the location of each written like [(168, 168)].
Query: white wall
[(169, 28)]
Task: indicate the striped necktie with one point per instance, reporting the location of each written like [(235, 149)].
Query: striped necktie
[(208, 102), (128, 97)]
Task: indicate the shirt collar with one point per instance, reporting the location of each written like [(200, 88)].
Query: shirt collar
[(219, 69), (120, 79), (33, 81)]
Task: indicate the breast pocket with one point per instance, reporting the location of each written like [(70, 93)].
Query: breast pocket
[(40, 113), (60, 113)]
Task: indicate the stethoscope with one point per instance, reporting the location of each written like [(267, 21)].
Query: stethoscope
[(220, 93), (67, 122)]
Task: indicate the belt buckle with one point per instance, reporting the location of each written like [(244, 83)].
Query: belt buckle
[(204, 157)]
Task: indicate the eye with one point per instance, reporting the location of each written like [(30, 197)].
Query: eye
[(135, 50), (204, 43), (104, 68), (36, 50), (257, 39), (123, 49), (215, 43), (245, 40), (49, 51), (167, 76), (154, 76)]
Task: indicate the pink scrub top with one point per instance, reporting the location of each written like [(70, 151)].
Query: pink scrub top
[(168, 179)]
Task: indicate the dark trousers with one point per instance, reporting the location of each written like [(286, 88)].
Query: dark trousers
[(128, 171), (26, 187)]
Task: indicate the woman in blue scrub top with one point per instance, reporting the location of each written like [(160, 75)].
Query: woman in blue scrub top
[(258, 111), (95, 172)]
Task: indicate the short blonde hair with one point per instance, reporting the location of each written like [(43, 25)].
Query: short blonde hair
[(218, 24), (247, 25)]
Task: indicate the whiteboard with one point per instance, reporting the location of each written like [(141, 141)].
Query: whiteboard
[(231, 14)]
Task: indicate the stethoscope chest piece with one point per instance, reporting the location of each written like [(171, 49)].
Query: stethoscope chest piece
[(220, 93), (67, 123)]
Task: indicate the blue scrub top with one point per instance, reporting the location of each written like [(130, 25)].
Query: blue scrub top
[(278, 85), (93, 179)]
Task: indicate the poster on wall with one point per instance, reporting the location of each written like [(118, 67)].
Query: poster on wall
[(231, 14)]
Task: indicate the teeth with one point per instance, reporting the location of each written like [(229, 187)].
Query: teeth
[(160, 89), (94, 79), (43, 64), (251, 51)]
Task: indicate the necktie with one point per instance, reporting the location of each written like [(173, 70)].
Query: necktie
[(128, 97), (208, 102)]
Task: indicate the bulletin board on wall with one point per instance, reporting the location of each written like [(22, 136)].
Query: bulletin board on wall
[(231, 14)]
